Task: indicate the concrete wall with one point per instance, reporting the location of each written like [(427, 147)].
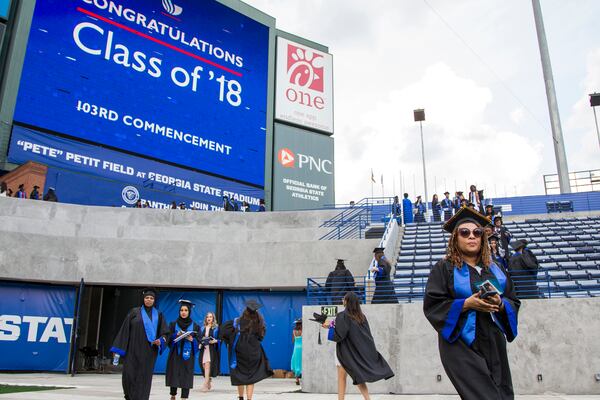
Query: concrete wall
[(557, 338), (63, 243)]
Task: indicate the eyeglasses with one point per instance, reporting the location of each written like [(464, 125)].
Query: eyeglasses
[(466, 232)]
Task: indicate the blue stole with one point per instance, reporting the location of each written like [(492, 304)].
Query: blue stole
[(462, 288), (187, 345), (233, 360), (150, 326)]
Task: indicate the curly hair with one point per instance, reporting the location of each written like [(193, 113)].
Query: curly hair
[(454, 255)]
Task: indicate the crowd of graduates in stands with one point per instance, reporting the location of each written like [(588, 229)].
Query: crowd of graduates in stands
[(228, 205), (441, 210), (35, 194)]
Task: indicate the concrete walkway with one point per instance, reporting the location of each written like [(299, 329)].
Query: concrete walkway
[(108, 387)]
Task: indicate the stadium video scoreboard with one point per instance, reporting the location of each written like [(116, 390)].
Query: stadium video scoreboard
[(182, 81), (175, 86)]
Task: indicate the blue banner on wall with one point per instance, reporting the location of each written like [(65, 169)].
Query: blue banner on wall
[(183, 81), (205, 302), (120, 179), (280, 309), (35, 327)]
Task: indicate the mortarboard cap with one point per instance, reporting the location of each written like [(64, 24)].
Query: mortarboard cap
[(463, 215), (320, 318), (36, 187), (489, 206), (378, 250), (253, 305), (517, 244), (149, 292), (445, 193), (186, 302), (494, 237)]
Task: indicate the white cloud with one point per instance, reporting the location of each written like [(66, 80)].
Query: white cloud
[(517, 115), (460, 145), (391, 57), (580, 128)]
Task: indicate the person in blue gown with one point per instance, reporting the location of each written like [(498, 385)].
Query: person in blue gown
[(407, 209)]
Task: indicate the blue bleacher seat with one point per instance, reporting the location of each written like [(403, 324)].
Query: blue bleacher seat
[(421, 273), (559, 274), (403, 273), (568, 265), (589, 284), (588, 263), (578, 274), (593, 273)]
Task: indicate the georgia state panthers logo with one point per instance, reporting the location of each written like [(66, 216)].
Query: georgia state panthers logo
[(130, 194), (171, 8), (305, 68)]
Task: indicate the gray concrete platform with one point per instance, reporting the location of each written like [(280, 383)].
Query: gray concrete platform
[(108, 387)]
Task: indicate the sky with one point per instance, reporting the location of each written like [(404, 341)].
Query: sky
[(474, 66)]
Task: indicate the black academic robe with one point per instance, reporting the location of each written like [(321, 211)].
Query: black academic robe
[(523, 267), (138, 355), (215, 353), (384, 288), (479, 370), (180, 372), (338, 283), (505, 238), (356, 351), (436, 209), (447, 206), (245, 348)]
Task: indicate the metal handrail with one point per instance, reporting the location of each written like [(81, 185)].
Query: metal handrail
[(408, 290), (353, 220)]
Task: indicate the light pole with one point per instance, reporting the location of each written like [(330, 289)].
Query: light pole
[(557, 136), (420, 117), (594, 102)]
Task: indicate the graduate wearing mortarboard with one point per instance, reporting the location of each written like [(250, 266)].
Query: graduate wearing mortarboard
[(339, 281), (182, 352), (248, 363), (447, 206), (142, 335), (384, 288), (473, 325), (355, 350)]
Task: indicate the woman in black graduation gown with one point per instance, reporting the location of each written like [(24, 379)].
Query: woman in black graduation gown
[(384, 288), (339, 281), (182, 354), (142, 335), (356, 354), (473, 329), (247, 359), (209, 350)]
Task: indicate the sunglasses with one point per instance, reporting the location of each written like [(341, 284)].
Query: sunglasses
[(466, 232)]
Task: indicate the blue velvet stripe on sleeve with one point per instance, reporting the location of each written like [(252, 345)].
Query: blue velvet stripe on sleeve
[(512, 318), (448, 332)]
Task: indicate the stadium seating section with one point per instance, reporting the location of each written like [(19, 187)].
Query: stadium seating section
[(568, 251)]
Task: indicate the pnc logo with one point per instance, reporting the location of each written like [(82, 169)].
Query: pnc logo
[(171, 8), (287, 158), (304, 68)]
